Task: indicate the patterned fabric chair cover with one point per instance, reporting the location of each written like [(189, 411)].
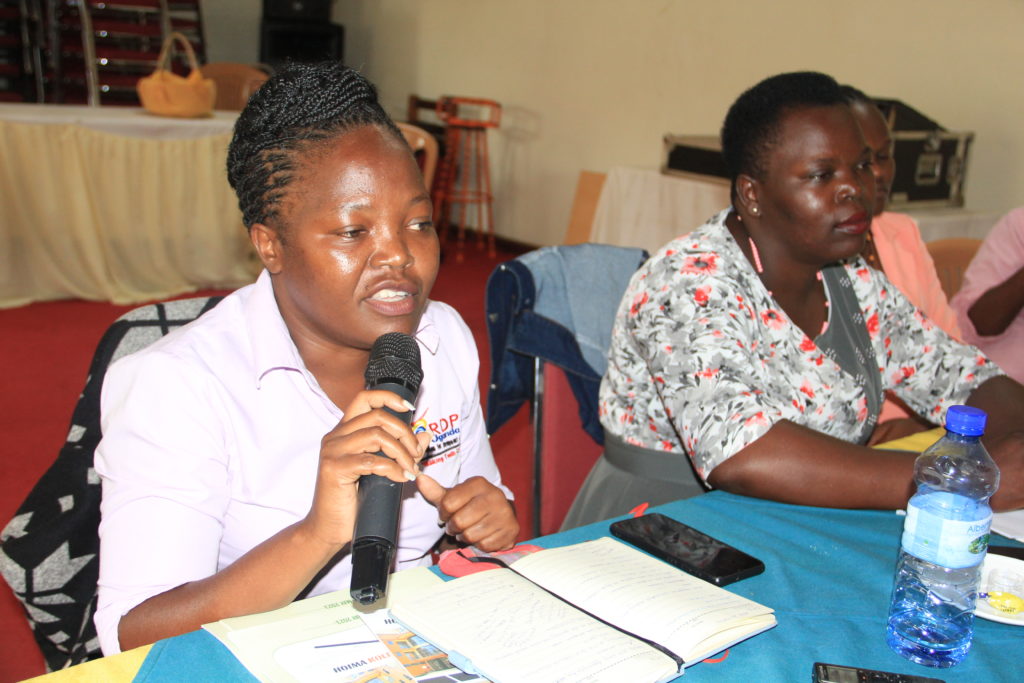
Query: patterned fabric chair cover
[(49, 551)]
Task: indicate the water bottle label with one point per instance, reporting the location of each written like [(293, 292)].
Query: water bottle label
[(945, 542)]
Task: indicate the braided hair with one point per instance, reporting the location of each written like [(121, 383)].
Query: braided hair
[(299, 106), (752, 125)]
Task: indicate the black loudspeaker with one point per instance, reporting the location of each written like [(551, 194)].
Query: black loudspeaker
[(297, 10), (284, 41), (901, 116)]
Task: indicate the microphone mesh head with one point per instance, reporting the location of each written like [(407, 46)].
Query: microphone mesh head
[(395, 357)]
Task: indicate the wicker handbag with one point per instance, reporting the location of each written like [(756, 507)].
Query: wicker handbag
[(165, 93)]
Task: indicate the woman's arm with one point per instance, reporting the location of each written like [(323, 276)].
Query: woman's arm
[(796, 464), (994, 275), (793, 464), (994, 310), (1003, 400), (267, 577), (274, 572)]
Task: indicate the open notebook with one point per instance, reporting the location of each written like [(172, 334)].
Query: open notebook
[(331, 638), (1010, 524), (512, 625)]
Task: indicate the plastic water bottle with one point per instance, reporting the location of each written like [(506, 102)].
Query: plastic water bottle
[(945, 537)]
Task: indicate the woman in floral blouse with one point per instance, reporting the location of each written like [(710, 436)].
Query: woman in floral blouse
[(761, 344)]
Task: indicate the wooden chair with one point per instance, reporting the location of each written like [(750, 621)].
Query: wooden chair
[(584, 207), (235, 83), (424, 147), (420, 106), (951, 257), (464, 176)]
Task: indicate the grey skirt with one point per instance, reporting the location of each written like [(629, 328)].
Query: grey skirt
[(626, 476)]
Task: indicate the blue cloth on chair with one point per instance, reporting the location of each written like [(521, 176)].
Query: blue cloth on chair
[(557, 304), (207, 660)]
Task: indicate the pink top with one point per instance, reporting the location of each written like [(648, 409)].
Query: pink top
[(1000, 256), (211, 439), (908, 265)]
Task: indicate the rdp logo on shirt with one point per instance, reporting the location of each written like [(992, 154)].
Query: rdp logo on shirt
[(446, 437)]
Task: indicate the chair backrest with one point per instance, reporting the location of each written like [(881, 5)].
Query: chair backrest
[(584, 206), (424, 147), (951, 257), (468, 112), (235, 83), (549, 319), (563, 451), (417, 106), (49, 551)]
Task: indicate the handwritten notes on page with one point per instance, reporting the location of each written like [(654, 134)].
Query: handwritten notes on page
[(1010, 524), (511, 629), (512, 625), (645, 596)]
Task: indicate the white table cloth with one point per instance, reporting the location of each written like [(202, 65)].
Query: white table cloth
[(641, 207), (111, 203)]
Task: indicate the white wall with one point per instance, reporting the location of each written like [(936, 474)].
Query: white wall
[(232, 30), (590, 84)]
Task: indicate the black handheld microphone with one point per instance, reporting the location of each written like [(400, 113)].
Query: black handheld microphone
[(394, 366)]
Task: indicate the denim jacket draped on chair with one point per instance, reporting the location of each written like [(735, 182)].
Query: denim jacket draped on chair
[(557, 304)]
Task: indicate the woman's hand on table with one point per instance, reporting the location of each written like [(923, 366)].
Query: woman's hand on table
[(1008, 452), (1003, 400), (475, 512)]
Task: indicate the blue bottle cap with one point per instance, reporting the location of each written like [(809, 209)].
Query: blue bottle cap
[(966, 420)]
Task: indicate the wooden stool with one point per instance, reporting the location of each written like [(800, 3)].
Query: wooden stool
[(464, 175)]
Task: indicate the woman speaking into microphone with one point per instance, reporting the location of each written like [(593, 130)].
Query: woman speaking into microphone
[(232, 447)]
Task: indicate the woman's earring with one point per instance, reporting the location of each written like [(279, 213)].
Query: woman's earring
[(754, 210), (756, 254)]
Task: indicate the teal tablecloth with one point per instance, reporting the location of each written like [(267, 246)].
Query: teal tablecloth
[(828, 576)]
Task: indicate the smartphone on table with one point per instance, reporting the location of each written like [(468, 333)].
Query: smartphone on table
[(684, 547), (1009, 551), (833, 673)]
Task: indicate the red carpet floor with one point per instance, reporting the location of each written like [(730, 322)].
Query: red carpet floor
[(46, 349)]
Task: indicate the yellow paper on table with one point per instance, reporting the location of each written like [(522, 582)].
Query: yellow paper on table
[(914, 442), (111, 669)]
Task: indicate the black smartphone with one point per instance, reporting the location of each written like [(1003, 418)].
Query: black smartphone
[(833, 673), (1008, 551), (688, 549)]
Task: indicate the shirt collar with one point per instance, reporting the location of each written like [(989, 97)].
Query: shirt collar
[(272, 345), (427, 334)]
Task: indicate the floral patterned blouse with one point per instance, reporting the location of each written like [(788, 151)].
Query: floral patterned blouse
[(704, 362)]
